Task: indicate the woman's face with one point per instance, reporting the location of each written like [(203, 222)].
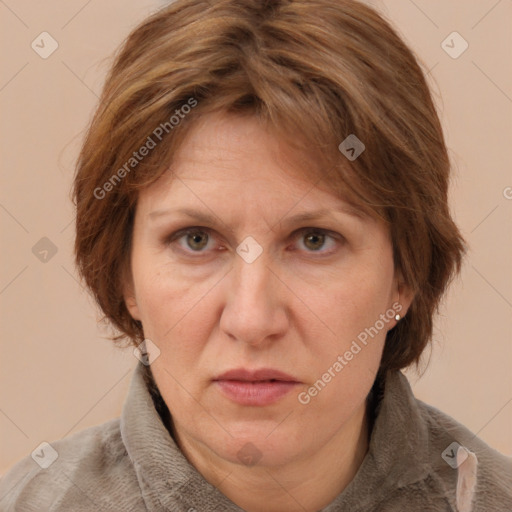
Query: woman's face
[(251, 287)]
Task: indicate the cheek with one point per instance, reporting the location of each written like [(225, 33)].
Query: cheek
[(175, 312), (344, 368), (347, 357), (348, 303)]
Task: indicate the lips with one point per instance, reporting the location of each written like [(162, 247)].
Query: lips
[(259, 375), (261, 387)]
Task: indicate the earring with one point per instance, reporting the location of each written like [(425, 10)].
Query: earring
[(397, 316)]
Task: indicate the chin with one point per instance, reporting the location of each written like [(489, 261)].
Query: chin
[(258, 446)]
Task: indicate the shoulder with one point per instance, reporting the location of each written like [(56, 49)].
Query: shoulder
[(492, 470), (89, 470)]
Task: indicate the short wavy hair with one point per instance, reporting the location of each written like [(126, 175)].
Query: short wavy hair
[(314, 72)]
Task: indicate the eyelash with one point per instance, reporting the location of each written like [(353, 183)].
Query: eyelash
[(177, 235)]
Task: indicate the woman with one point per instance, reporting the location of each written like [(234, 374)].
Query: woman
[(262, 212)]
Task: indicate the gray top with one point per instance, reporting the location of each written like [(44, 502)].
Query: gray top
[(133, 464)]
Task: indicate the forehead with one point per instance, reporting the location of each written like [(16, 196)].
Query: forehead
[(239, 157)]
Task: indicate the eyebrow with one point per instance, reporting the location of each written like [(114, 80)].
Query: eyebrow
[(323, 213), (208, 218), (204, 217)]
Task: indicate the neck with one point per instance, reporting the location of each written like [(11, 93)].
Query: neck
[(306, 484)]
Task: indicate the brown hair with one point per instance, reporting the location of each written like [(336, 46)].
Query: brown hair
[(315, 72)]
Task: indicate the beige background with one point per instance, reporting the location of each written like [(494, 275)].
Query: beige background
[(58, 372)]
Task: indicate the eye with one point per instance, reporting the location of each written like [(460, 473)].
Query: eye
[(193, 239), (315, 239), (199, 240)]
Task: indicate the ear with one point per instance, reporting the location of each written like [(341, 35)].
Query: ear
[(129, 297)]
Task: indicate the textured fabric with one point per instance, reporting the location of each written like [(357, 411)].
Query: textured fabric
[(133, 464)]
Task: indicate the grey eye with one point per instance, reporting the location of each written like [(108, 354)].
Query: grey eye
[(197, 240)]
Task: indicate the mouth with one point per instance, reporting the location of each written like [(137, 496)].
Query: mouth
[(260, 387)]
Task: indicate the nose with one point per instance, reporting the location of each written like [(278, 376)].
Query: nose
[(255, 310)]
